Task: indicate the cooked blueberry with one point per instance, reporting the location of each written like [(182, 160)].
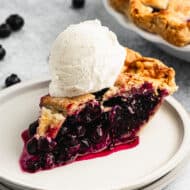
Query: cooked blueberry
[(73, 150), (48, 161), (80, 131), (97, 134), (89, 113), (78, 3), (11, 80), (100, 94), (64, 130), (44, 144), (70, 140), (155, 10), (32, 146), (32, 128), (15, 21), (2, 52), (85, 145), (33, 164), (118, 100), (5, 30)]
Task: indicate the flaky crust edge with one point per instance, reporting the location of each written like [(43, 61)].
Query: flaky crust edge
[(159, 23)]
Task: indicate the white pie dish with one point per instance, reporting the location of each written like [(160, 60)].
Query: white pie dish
[(19, 107), (180, 52)]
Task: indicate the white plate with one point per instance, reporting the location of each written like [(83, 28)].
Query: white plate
[(180, 52), (163, 145), (167, 179), (159, 184)]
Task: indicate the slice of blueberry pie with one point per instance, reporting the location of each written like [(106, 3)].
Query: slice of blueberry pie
[(168, 18), (97, 124)]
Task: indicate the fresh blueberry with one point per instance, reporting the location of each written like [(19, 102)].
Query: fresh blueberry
[(78, 3), (11, 80), (15, 21), (5, 30), (32, 146), (2, 52), (32, 128)]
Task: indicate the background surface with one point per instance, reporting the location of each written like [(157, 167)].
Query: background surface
[(28, 49)]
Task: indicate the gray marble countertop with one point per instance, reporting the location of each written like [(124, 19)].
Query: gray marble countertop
[(28, 49)]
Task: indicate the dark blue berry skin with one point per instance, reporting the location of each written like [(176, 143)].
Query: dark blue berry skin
[(32, 128), (33, 164), (77, 4), (11, 80), (32, 146), (15, 22), (5, 30), (2, 52)]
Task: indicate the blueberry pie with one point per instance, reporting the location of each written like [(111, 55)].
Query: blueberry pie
[(168, 18), (97, 124)]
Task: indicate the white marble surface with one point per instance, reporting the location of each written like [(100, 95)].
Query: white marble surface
[(28, 49)]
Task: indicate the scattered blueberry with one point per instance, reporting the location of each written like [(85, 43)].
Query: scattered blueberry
[(5, 30), (15, 21), (32, 128), (2, 52), (78, 3), (11, 80), (32, 146)]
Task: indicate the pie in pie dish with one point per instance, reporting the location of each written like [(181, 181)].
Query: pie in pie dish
[(167, 18), (99, 123)]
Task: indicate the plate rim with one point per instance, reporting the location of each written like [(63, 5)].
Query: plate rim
[(144, 34), (180, 154)]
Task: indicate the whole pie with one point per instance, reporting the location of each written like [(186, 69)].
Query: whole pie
[(168, 18), (96, 124)]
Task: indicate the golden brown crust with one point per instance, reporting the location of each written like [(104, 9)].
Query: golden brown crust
[(170, 19), (136, 70)]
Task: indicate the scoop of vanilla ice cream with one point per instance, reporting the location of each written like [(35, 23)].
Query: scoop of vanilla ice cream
[(86, 57)]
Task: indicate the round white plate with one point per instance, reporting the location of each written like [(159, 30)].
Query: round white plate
[(180, 52), (167, 179), (164, 143)]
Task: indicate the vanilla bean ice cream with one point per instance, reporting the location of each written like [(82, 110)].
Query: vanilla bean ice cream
[(86, 57)]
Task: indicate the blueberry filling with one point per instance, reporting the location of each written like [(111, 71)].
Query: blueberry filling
[(155, 10), (93, 129), (99, 94)]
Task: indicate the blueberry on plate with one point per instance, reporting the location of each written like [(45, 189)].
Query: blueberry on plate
[(5, 30), (2, 52), (78, 3), (11, 80), (15, 21)]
